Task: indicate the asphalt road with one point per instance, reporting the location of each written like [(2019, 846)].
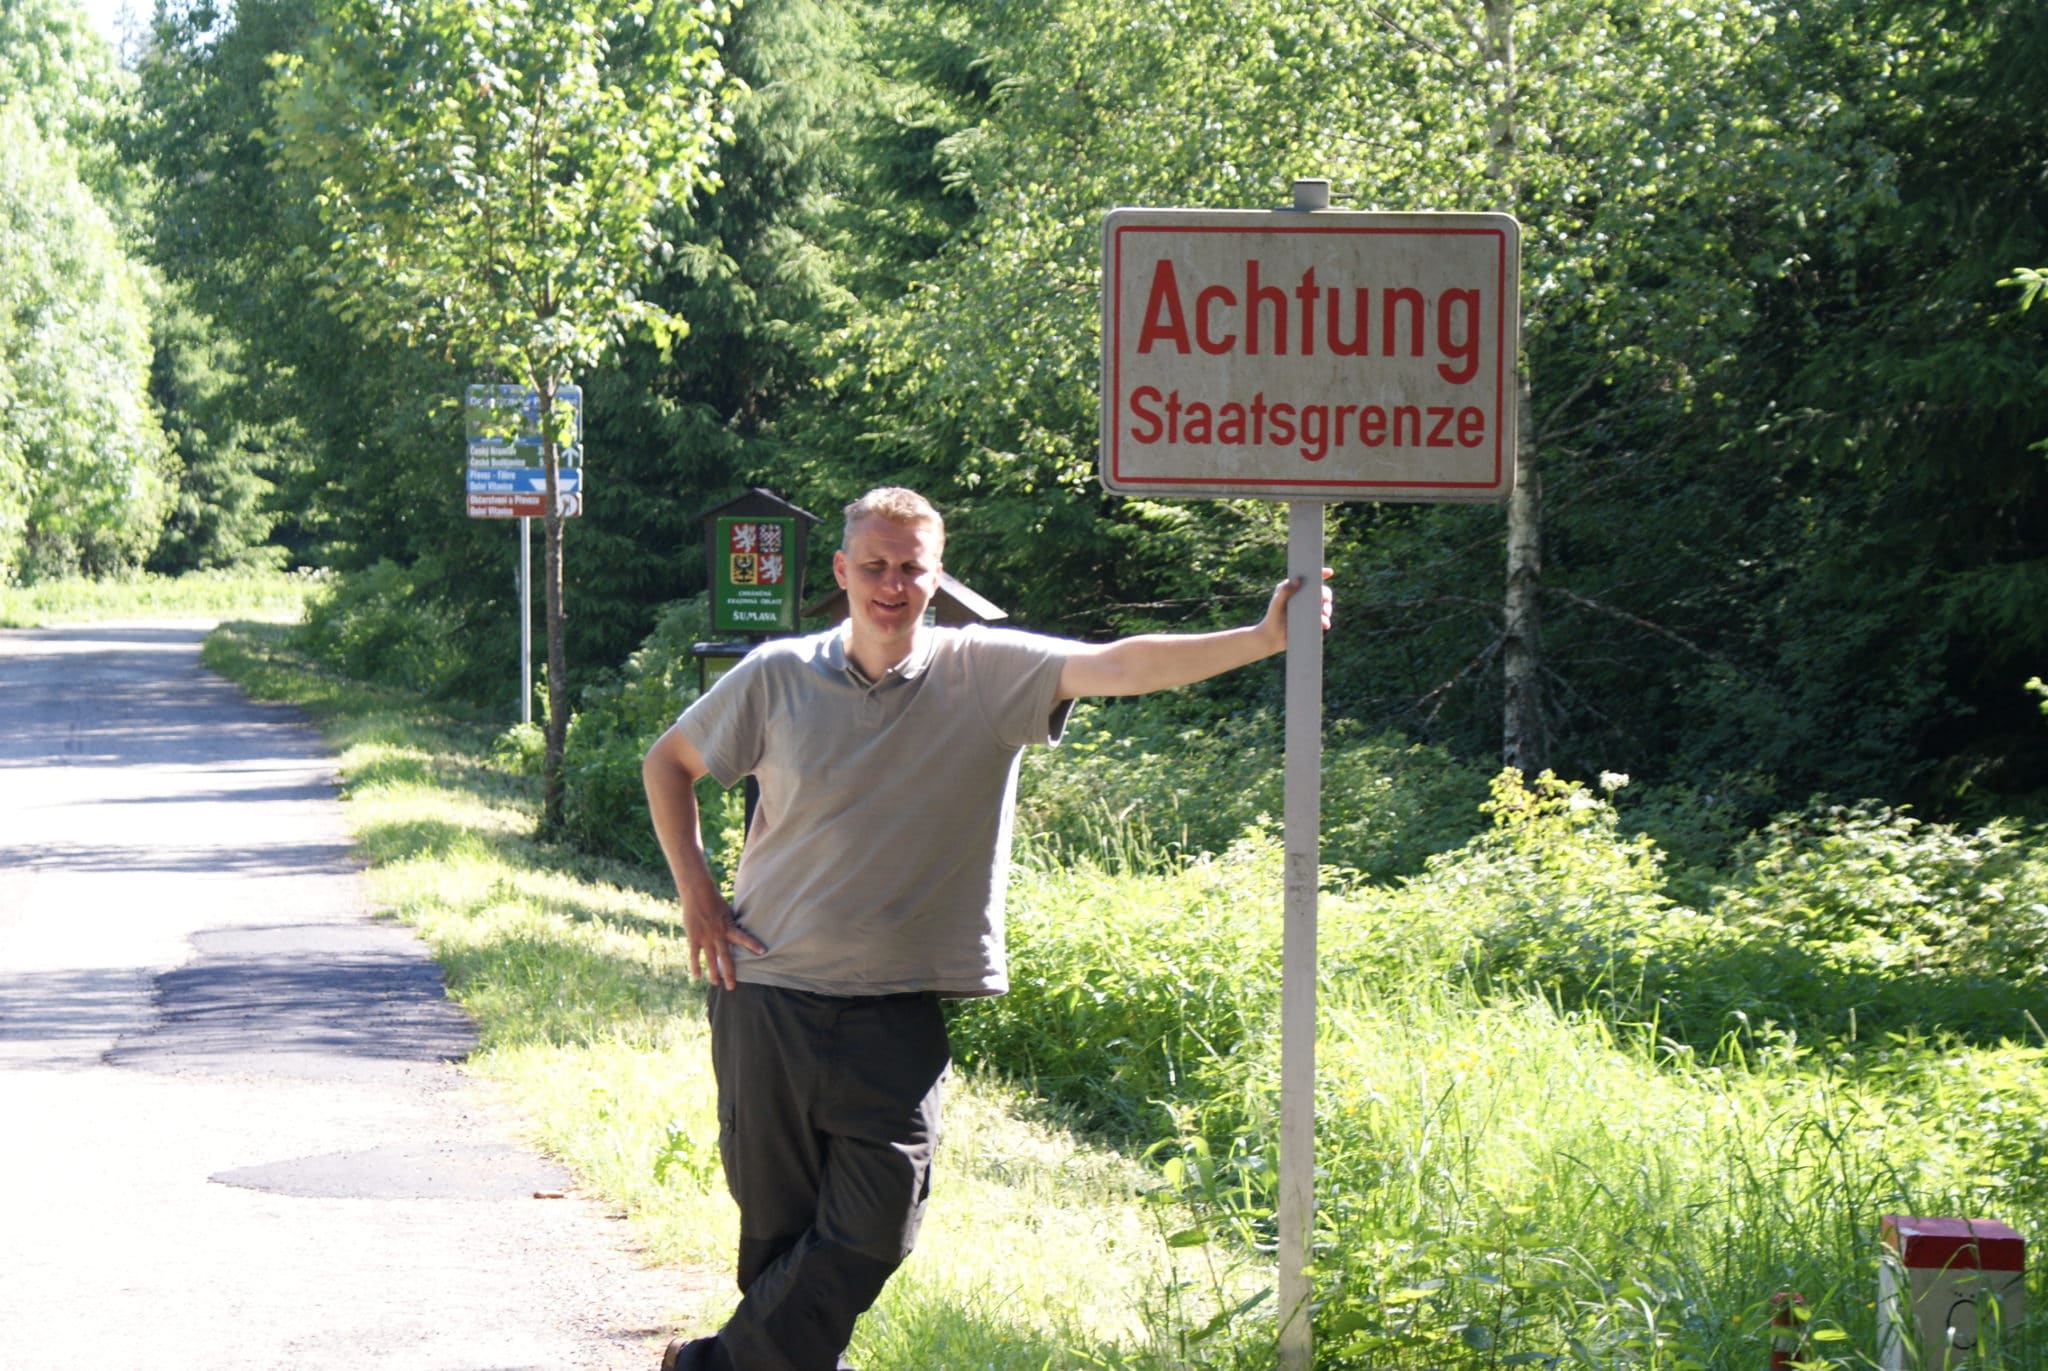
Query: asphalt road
[(233, 1134)]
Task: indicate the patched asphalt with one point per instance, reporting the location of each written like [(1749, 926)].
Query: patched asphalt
[(235, 1133)]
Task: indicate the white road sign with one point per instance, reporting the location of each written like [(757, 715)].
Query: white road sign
[(1319, 355), (1307, 356)]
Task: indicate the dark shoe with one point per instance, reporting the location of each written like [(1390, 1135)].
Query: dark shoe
[(695, 1354)]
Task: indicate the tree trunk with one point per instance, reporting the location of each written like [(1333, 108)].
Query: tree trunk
[(1524, 742), (556, 730)]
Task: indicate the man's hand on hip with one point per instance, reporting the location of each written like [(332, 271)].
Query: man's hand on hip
[(713, 934)]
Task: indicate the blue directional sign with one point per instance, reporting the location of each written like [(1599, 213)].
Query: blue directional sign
[(522, 480), (505, 476), (502, 424)]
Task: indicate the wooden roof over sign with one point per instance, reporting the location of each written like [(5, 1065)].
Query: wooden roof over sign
[(954, 605)]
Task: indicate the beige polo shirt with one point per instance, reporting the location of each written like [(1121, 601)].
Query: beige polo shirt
[(880, 848)]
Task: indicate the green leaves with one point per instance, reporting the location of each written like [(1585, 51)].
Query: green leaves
[(492, 175), (2031, 281), (83, 464)]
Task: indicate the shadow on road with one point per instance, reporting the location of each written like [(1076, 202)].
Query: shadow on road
[(318, 1001), (66, 1018), (270, 859)]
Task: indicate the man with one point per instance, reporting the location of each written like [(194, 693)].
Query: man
[(871, 886)]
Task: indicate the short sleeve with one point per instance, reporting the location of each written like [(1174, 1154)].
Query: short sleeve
[(1017, 680), (725, 723)]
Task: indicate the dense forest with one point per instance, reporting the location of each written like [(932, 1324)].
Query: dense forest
[(1785, 410)]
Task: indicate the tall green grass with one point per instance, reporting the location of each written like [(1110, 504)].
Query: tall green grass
[(1518, 1163)]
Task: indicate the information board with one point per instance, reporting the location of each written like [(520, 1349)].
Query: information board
[(756, 590), (505, 476)]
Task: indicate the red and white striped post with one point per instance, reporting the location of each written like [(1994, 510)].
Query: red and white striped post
[(1788, 1329), (1943, 1279)]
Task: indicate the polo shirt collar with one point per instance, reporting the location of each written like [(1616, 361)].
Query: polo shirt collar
[(909, 669)]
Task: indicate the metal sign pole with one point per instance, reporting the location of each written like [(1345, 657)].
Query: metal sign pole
[(1302, 812), (525, 620), (1303, 818)]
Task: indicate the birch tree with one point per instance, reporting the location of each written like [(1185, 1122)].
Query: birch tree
[(1617, 135)]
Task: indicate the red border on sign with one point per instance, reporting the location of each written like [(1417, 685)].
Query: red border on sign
[(1116, 353), (1953, 1244)]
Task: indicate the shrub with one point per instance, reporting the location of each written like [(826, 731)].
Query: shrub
[(1137, 780), (604, 807), (1837, 922), (1553, 897), (1696, 829), (1125, 988), (1870, 912), (379, 625)]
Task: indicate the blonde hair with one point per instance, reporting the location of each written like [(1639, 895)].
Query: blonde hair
[(897, 504)]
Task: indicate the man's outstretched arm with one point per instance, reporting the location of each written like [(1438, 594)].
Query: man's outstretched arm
[(1161, 661), (670, 771)]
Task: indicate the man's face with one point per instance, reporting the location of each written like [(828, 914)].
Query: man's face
[(890, 572)]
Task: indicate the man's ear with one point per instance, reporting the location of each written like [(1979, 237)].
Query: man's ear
[(839, 568)]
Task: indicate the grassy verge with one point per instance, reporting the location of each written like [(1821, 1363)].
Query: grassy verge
[(261, 595), (1040, 1250)]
